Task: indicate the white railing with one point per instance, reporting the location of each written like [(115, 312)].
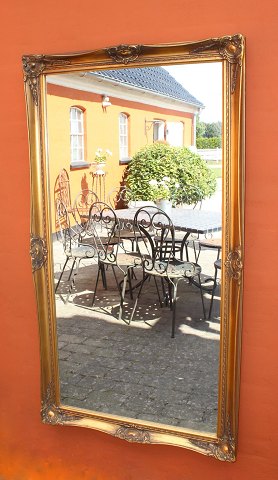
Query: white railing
[(210, 154)]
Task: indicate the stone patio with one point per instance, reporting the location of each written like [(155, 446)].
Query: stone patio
[(137, 370)]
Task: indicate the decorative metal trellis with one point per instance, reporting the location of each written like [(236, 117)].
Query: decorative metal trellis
[(98, 185)]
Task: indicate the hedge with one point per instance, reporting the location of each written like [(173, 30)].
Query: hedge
[(213, 142)]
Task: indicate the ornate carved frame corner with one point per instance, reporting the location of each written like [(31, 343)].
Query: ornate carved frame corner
[(230, 50)]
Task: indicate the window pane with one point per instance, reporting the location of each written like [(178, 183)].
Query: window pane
[(77, 134), (123, 135), (80, 127), (74, 128), (158, 130), (80, 154), (73, 155), (74, 141)]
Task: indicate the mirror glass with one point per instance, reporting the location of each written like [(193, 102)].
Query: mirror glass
[(138, 137)]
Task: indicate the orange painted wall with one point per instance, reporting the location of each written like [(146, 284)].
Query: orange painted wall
[(101, 131), (30, 450)]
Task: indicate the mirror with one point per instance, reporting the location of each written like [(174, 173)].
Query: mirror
[(137, 239)]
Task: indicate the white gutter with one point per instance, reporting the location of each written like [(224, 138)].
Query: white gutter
[(109, 87)]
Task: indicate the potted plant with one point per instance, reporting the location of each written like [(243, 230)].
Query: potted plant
[(183, 168), (100, 160), (162, 193)]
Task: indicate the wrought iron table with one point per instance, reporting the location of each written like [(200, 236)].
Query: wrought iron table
[(184, 220)]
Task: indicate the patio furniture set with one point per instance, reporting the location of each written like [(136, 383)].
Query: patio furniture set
[(129, 240)]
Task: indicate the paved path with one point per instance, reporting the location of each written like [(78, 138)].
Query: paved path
[(138, 370)]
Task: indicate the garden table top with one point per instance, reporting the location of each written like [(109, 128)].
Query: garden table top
[(185, 220)]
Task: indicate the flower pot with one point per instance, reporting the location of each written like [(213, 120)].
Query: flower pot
[(99, 168), (165, 205)]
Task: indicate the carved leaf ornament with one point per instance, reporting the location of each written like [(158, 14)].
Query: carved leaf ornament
[(38, 252), (124, 53)]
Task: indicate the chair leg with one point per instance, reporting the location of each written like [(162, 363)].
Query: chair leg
[(202, 297), (129, 282), (71, 270), (122, 297), (165, 298), (73, 279), (170, 295), (138, 295), (174, 302), (158, 294), (95, 290), (195, 251), (61, 274), (184, 245), (212, 293), (103, 275), (115, 276)]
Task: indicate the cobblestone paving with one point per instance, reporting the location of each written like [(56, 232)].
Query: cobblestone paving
[(138, 370)]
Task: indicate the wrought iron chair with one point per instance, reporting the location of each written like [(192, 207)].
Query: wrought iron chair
[(210, 243), (217, 268), (105, 229), (73, 249), (157, 251), (80, 211), (62, 192), (118, 198), (183, 242)]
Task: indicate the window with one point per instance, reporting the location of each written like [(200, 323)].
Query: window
[(175, 134), (77, 135), (158, 130), (123, 136)]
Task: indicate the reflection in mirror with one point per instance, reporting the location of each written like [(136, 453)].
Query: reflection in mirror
[(138, 289)]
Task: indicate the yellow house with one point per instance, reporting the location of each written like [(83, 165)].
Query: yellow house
[(117, 110)]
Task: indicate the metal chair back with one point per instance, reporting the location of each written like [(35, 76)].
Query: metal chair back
[(117, 197), (66, 235), (81, 208), (103, 225), (157, 235)]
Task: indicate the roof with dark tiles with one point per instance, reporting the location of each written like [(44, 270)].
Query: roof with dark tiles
[(153, 79)]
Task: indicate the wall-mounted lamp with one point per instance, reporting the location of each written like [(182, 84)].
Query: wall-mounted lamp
[(105, 102)]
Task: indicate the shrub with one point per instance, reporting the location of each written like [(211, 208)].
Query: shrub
[(213, 142), (153, 162)]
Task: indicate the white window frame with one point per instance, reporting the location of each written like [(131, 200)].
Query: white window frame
[(124, 137), (75, 133), (159, 130)]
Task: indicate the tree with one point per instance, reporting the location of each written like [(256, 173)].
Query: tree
[(200, 128), (208, 130), (213, 130)]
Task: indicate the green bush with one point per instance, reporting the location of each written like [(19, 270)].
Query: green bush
[(153, 162), (213, 142)]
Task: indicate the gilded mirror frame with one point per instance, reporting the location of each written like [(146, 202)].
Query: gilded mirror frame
[(230, 51)]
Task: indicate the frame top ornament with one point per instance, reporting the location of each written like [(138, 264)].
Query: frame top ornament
[(124, 53)]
